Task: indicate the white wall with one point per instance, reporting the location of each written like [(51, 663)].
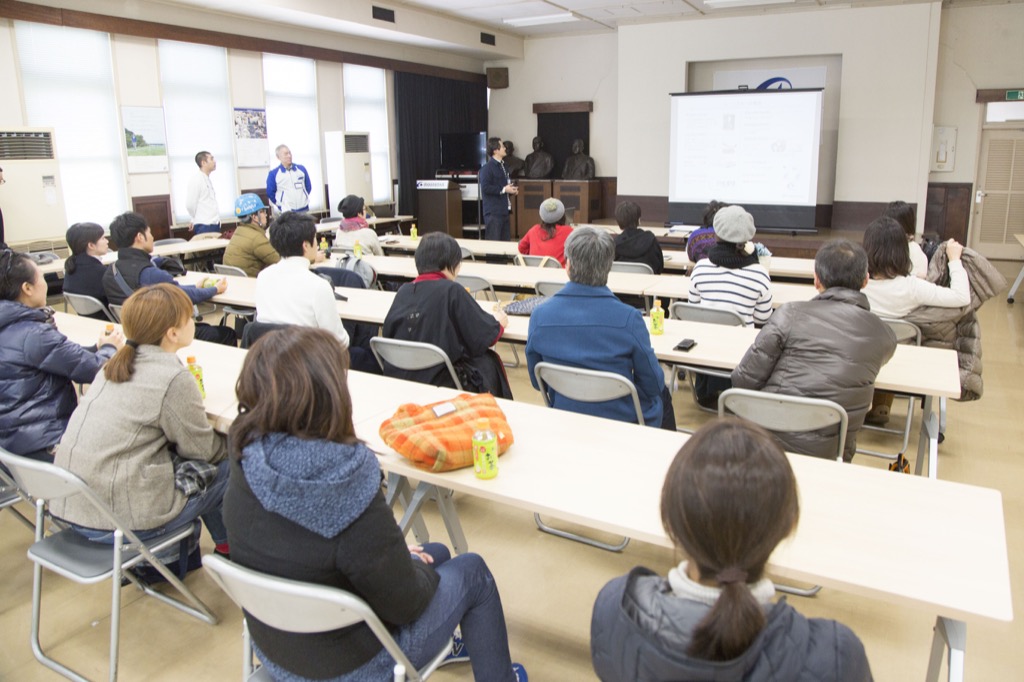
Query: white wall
[(563, 69), (886, 98), (980, 47)]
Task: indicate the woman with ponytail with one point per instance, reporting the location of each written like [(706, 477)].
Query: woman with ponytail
[(140, 437), (83, 270), (729, 499)]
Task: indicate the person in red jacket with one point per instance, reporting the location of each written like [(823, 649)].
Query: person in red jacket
[(548, 237)]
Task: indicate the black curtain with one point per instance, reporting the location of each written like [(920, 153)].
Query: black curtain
[(558, 130), (426, 107)]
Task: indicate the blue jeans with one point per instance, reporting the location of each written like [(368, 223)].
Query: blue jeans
[(205, 505), (200, 229), (466, 595)]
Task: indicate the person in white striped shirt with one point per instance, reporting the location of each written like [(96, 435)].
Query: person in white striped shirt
[(730, 277)]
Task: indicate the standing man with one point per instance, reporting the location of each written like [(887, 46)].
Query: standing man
[(201, 201), (288, 185), (495, 189), (3, 239)]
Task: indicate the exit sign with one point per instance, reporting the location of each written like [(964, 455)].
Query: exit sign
[(1015, 95)]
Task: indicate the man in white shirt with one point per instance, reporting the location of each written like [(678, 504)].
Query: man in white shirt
[(287, 292), (201, 201)]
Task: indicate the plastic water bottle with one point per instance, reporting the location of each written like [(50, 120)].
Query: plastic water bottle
[(485, 450), (657, 319), (197, 372), (357, 249), (323, 244), (413, 232)]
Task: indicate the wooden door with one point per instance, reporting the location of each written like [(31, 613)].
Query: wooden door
[(999, 200)]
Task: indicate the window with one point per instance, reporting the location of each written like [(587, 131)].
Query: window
[(292, 118), (197, 114), (366, 110), (68, 82)]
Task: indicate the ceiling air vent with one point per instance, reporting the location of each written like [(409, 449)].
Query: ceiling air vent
[(26, 145), (384, 14)]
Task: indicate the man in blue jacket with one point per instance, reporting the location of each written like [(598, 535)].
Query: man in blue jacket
[(495, 191), (288, 185), (585, 325)]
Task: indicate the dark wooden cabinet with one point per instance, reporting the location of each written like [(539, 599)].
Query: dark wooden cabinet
[(156, 209), (948, 210)]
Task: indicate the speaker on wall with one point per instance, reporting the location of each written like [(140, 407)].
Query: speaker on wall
[(497, 78)]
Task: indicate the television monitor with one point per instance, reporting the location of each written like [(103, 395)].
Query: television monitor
[(463, 151)]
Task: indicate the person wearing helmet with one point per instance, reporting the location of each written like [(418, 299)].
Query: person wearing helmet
[(201, 200), (249, 248)]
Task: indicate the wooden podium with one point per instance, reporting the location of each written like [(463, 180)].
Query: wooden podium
[(440, 207), (582, 198), (532, 194)]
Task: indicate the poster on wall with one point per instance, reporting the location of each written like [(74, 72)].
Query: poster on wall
[(251, 137), (145, 139)]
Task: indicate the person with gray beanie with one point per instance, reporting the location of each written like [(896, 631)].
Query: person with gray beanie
[(548, 237)]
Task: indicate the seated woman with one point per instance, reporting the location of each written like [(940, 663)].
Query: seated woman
[(436, 309), (547, 238), (893, 291), (903, 213), (83, 270), (39, 363), (634, 245), (304, 502), (731, 277), (140, 438), (353, 227), (729, 499), (702, 239)]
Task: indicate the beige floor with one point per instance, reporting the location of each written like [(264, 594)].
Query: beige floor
[(548, 585)]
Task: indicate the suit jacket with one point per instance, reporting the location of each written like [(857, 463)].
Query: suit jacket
[(493, 179)]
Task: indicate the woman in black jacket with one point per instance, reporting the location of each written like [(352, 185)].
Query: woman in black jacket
[(634, 245), (83, 270), (304, 502)]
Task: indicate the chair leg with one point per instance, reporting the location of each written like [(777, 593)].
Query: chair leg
[(115, 606), (580, 538), (515, 354), (799, 591)]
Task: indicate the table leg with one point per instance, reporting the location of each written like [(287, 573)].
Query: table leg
[(427, 491), (1016, 285), (928, 441), (399, 491), (952, 635)]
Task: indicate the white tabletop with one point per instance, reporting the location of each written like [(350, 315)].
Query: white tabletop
[(181, 248)]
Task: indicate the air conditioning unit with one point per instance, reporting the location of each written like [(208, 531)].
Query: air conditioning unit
[(33, 197), (348, 167)]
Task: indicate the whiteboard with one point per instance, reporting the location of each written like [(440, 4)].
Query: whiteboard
[(745, 147)]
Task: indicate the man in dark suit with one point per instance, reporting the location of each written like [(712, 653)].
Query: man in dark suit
[(495, 190)]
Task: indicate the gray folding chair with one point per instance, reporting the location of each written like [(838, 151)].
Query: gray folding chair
[(548, 288), (590, 386), (293, 606), (87, 305), (467, 254), (908, 333), (115, 310), (173, 240), (10, 496), (248, 314), (414, 356), (70, 555), (475, 285), (538, 261), (789, 414), (694, 312), (636, 268)]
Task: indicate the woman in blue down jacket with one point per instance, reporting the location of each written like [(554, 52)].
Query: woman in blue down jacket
[(36, 392)]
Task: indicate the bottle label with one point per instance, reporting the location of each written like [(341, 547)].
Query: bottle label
[(485, 457), (197, 372), (657, 322)]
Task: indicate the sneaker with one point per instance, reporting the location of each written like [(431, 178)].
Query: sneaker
[(520, 672), (458, 654)]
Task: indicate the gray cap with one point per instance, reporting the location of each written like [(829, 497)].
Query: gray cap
[(551, 211), (734, 225)]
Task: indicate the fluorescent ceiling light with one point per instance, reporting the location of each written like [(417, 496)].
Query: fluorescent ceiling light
[(541, 20), (728, 4)]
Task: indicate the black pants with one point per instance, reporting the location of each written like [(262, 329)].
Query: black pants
[(668, 411), (497, 227), (216, 334)]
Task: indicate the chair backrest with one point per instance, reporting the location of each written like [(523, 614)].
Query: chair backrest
[(87, 305), (172, 240), (637, 268), (906, 332), (537, 261), (694, 312), (786, 413), (585, 385), (411, 356), (295, 606), (228, 270), (115, 310), (477, 284), (332, 219), (254, 330), (548, 288), (343, 248), (467, 254)]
